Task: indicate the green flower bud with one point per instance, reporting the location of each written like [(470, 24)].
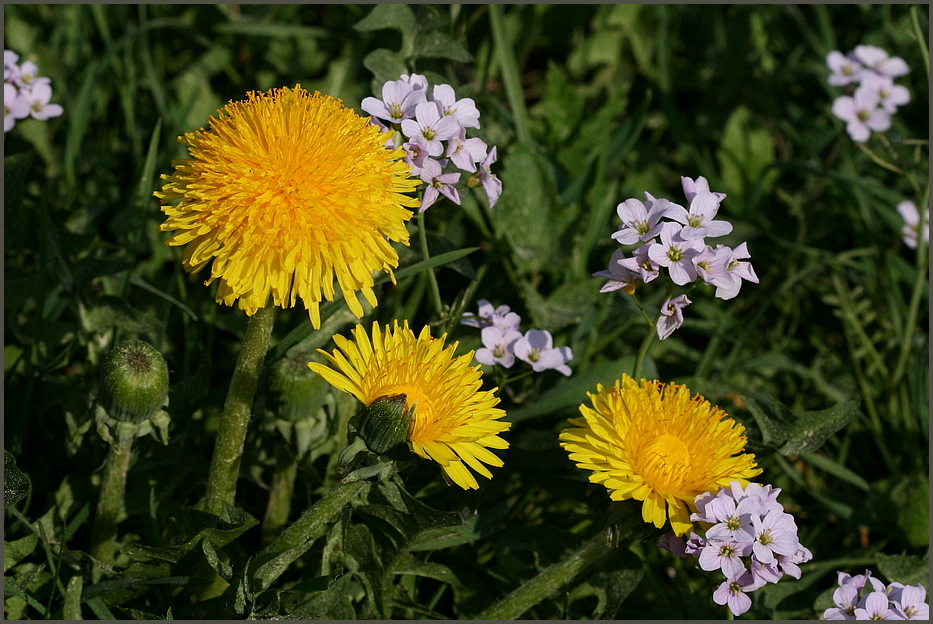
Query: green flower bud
[(133, 382), (297, 392), (384, 423)]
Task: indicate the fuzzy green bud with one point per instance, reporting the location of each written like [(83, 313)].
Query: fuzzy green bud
[(133, 382), (384, 423), (297, 392)]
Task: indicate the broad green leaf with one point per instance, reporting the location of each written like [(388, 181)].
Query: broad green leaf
[(564, 306), (524, 210), (361, 557), (912, 502), (409, 564), (810, 429), (72, 608), (396, 16), (905, 569), (612, 587), (571, 392), (434, 44), (106, 312), (385, 65), (745, 154), (17, 550), (15, 483)]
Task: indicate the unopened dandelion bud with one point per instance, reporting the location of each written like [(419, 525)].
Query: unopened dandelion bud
[(297, 392), (384, 423), (133, 382)]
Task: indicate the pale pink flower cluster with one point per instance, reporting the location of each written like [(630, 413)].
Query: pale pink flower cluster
[(434, 124), (863, 597), (679, 246), (25, 93), (503, 342), (746, 522), (875, 97)]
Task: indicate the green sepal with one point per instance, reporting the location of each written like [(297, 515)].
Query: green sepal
[(384, 423)]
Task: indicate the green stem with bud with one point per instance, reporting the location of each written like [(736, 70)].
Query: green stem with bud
[(110, 502), (225, 463), (649, 337)]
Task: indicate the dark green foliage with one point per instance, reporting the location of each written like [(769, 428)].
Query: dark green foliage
[(825, 361)]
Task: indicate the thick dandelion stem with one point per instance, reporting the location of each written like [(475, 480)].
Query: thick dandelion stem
[(225, 464), (280, 494), (112, 488), (549, 580)]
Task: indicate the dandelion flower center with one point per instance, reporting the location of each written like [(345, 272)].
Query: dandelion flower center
[(455, 423), (285, 192), (654, 443)]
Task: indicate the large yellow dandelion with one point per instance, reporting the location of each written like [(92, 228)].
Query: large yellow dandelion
[(653, 443), (454, 422), (286, 191)]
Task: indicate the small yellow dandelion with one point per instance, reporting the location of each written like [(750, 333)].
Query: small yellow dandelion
[(285, 191), (653, 443), (454, 422)]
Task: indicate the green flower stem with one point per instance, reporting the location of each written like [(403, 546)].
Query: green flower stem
[(280, 494), (432, 279), (921, 40), (225, 463), (649, 337), (510, 77), (549, 580), (913, 308), (309, 527), (110, 502)]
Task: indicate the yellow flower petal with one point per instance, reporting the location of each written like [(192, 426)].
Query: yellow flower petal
[(653, 443), (454, 421), (285, 192)]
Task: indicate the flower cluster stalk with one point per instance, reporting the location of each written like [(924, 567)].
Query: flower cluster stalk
[(110, 503), (432, 279), (225, 463)]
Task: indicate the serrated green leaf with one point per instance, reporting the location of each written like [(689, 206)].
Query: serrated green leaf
[(905, 569), (810, 429), (774, 420), (478, 525), (17, 550), (225, 570), (193, 526), (15, 483), (334, 603)]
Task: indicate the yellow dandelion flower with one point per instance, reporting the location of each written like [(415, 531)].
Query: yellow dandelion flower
[(653, 443), (454, 422), (286, 191)]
